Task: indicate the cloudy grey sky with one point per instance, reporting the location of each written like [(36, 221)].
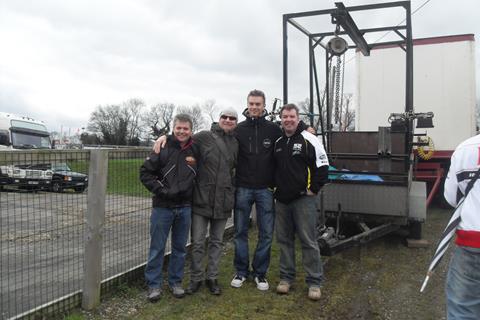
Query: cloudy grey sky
[(59, 59)]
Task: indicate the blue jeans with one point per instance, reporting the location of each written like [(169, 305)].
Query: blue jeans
[(263, 199), (299, 218), (161, 221), (463, 284)]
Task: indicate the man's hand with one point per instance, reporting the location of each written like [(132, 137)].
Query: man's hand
[(160, 144), (310, 193), (311, 130)]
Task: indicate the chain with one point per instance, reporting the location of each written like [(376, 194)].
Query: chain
[(337, 89)]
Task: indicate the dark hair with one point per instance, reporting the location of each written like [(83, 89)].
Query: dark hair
[(290, 106), (183, 117), (256, 93)]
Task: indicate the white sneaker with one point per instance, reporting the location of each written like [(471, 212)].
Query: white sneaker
[(237, 281), (262, 283)]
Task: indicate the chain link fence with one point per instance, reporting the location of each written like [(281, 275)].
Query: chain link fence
[(43, 202)]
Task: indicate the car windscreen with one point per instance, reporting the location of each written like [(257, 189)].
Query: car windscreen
[(60, 167)]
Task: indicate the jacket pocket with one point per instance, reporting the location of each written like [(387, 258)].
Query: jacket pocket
[(202, 194)]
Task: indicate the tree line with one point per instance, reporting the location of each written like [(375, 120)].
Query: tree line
[(133, 123)]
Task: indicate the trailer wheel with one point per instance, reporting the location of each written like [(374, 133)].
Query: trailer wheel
[(415, 230)]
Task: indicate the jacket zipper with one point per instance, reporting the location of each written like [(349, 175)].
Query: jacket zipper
[(256, 138), (166, 174)]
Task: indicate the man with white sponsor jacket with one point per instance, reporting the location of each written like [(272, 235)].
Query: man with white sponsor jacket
[(463, 278), (300, 172)]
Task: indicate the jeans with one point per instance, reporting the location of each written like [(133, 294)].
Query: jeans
[(161, 221), (299, 218), (199, 232), (463, 284), (244, 200)]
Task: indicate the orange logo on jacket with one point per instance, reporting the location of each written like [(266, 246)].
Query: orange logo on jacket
[(190, 160)]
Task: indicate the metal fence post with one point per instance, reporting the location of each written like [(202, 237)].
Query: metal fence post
[(95, 219)]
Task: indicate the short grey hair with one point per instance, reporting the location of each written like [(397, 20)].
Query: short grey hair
[(183, 117)]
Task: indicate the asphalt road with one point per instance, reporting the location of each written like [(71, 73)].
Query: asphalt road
[(42, 244)]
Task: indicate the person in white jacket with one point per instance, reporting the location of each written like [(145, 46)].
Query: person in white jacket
[(463, 278)]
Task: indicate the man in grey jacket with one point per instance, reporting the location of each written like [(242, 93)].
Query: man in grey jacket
[(213, 197)]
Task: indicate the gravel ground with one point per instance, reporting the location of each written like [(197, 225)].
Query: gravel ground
[(380, 280)]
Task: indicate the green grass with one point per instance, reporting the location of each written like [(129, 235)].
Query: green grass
[(243, 303), (74, 316), (123, 176)]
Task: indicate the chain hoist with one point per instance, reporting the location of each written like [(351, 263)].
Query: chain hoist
[(340, 68)]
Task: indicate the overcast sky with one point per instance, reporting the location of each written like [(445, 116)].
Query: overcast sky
[(59, 59)]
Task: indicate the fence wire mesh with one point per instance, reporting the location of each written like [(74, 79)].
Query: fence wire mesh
[(127, 214), (42, 226)]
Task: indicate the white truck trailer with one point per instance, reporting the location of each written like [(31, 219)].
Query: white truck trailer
[(443, 82), (20, 133)]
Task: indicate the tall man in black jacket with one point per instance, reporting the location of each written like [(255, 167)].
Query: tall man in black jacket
[(301, 171), (254, 181)]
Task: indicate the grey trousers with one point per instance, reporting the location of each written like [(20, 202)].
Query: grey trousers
[(299, 218), (199, 232)]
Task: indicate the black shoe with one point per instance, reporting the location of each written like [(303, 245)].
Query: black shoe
[(213, 286), (193, 287)]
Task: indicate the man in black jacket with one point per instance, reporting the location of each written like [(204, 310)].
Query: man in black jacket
[(301, 171), (254, 181), (169, 176)]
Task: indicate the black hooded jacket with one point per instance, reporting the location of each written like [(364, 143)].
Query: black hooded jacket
[(255, 166), (170, 174), (301, 165)]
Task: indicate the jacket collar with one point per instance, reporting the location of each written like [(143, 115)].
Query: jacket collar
[(174, 143), (252, 120)]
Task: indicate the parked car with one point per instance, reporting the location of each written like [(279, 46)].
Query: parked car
[(22, 176), (63, 177)]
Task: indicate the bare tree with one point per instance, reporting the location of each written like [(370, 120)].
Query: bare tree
[(304, 107), (159, 118), (210, 109), (132, 110), (110, 121), (346, 120), (118, 124), (348, 114), (196, 113)]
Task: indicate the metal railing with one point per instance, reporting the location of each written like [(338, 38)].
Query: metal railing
[(47, 198)]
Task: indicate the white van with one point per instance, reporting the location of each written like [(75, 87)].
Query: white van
[(17, 133)]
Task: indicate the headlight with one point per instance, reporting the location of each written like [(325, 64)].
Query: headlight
[(66, 178)]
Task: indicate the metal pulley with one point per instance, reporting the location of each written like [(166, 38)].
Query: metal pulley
[(337, 46)]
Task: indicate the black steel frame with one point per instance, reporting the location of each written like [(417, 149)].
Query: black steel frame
[(341, 16)]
